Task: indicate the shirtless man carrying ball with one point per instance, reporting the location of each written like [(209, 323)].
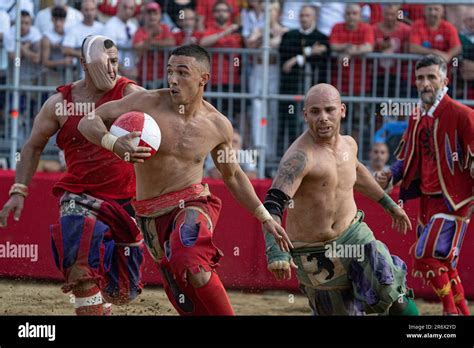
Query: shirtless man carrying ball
[(175, 212), (316, 177)]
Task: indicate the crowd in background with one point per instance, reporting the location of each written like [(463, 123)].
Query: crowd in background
[(304, 35)]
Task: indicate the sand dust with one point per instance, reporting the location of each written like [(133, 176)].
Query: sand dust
[(20, 297)]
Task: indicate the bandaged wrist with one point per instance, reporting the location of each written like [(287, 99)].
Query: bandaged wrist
[(386, 202), (273, 251), (108, 141), (262, 214)]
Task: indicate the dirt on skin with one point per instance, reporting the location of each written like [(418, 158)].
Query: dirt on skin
[(20, 297)]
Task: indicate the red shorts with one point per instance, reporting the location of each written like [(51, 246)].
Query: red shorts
[(178, 228)]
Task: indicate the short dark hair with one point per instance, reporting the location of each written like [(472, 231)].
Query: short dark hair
[(196, 51), (25, 13), (432, 59), (107, 44), (58, 12)]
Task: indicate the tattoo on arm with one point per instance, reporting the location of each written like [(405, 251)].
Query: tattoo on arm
[(290, 170)]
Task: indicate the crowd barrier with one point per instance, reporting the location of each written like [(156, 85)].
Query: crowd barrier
[(237, 234)]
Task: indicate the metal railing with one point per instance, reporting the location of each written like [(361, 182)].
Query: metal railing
[(383, 79)]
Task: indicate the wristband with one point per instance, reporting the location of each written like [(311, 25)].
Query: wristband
[(108, 141), (18, 188), (386, 202), (262, 214), (300, 59), (275, 257)]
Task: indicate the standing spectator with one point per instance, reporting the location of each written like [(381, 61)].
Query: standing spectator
[(289, 16), (253, 23), (176, 8), (76, 34), (44, 18), (187, 33), (52, 57), (391, 36), (467, 40), (223, 34), (205, 11), (121, 29), (302, 51), (4, 29), (151, 36), (30, 38), (434, 35), (351, 39)]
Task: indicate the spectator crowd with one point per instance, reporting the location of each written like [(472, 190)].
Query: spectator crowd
[(311, 42)]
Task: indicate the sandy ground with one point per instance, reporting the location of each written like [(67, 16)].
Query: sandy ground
[(19, 297)]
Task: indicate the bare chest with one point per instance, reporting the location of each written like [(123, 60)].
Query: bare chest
[(333, 170), (189, 140)]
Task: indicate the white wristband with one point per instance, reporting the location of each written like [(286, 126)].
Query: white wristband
[(262, 214), (108, 141), (307, 51), (300, 60)]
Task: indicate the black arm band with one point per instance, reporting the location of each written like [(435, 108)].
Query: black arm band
[(276, 202)]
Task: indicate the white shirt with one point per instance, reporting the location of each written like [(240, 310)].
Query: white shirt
[(33, 36), (4, 22), (250, 22), (117, 31), (330, 14), (25, 5), (76, 34), (44, 20)]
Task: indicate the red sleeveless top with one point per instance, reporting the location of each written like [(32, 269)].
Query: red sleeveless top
[(90, 168)]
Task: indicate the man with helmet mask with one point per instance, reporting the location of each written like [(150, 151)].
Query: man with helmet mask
[(94, 193)]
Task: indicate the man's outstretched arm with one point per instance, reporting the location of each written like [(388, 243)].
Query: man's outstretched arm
[(95, 126), (239, 185), (45, 126)]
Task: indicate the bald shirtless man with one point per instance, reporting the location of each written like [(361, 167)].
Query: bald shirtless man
[(176, 213), (340, 266)]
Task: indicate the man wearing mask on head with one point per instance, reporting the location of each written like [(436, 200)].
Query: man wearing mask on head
[(95, 192)]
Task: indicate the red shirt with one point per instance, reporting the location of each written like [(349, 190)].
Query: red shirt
[(444, 38), (204, 9), (180, 37), (363, 34), (428, 168), (399, 40), (228, 41), (91, 168), (413, 11), (140, 36)]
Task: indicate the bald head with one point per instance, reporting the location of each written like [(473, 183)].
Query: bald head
[(322, 92), (323, 111)]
